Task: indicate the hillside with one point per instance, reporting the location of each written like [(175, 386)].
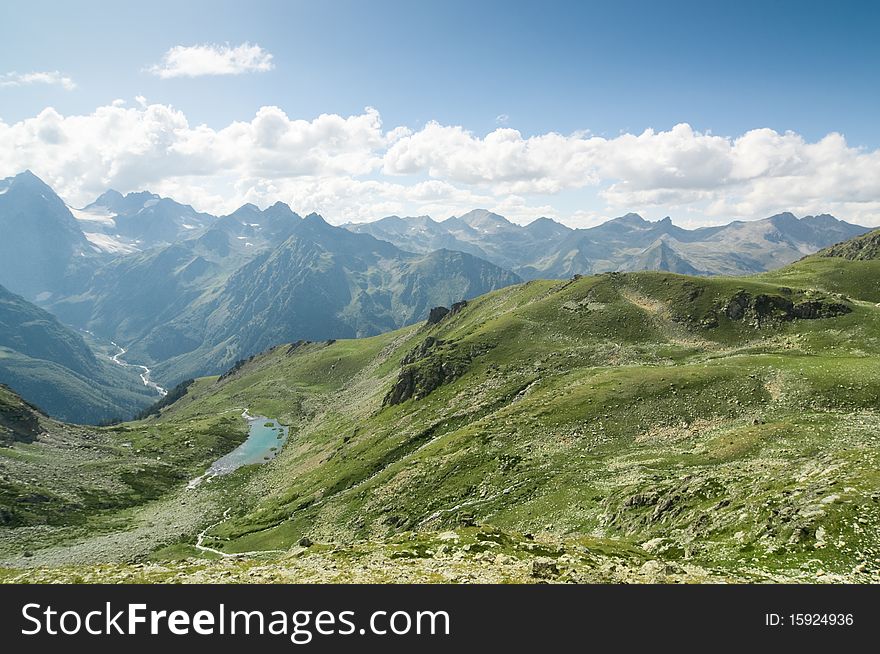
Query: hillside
[(52, 366), (19, 421), (626, 426), (863, 248), (61, 476), (851, 268)]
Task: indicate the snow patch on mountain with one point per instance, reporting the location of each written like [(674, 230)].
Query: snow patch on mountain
[(107, 243), (95, 214)]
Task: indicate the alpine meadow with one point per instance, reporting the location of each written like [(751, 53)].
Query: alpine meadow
[(576, 306)]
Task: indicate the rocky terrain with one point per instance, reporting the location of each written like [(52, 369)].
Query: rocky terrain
[(459, 556)]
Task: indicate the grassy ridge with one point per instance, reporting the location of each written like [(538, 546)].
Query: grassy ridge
[(623, 406), (699, 421)]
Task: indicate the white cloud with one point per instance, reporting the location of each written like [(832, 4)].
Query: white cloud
[(53, 78), (210, 59), (750, 176), (546, 163), (353, 168), (502, 119), (155, 146)]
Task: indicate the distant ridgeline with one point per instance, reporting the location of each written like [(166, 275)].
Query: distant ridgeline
[(189, 294)]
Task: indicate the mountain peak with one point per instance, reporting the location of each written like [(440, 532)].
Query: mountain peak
[(108, 198), (27, 179), (483, 217), (784, 218), (138, 195), (544, 227), (315, 219), (629, 219), (130, 202), (111, 194), (822, 219), (27, 174), (281, 210), (248, 207)]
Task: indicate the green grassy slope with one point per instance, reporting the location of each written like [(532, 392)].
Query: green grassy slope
[(724, 423), (620, 406), (851, 268), (58, 474)]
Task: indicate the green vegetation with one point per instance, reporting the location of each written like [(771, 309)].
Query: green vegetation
[(620, 427), (61, 475), (170, 398)]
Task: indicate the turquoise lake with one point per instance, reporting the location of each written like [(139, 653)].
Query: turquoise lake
[(266, 437)]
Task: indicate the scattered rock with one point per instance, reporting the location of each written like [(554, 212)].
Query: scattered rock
[(542, 569)]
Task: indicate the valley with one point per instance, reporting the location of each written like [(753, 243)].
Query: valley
[(626, 426), (67, 373), (144, 373)]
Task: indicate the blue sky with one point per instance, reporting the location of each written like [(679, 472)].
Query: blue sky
[(576, 69)]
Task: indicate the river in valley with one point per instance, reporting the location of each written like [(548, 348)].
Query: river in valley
[(145, 372)]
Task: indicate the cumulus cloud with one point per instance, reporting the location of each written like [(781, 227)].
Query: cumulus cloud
[(210, 59), (353, 168), (748, 176), (53, 78), (546, 163)]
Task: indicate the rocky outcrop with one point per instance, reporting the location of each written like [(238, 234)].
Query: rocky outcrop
[(862, 248), (439, 313), (429, 366), (293, 347), (19, 421), (417, 381), (238, 365), (423, 350), (764, 308)]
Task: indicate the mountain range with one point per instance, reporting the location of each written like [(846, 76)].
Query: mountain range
[(187, 293), (256, 278), (547, 249), (120, 224)]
